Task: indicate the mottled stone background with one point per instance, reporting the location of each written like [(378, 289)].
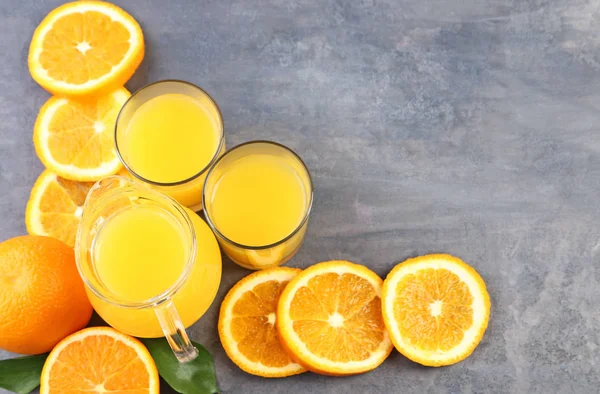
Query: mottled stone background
[(460, 126)]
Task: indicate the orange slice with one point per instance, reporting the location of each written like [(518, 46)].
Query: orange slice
[(247, 324), (329, 319), (75, 139), (99, 360), (436, 309), (55, 207), (84, 48), (265, 258)]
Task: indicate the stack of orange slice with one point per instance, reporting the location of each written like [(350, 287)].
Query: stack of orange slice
[(326, 319), (340, 318), (83, 52)]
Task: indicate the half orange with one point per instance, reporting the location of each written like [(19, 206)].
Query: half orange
[(329, 319), (436, 309), (55, 207), (75, 138), (247, 324), (99, 360), (85, 48)]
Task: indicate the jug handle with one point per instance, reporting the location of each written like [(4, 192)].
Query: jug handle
[(174, 331)]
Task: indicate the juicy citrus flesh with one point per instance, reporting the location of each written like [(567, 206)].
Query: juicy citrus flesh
[(75, 139), (55, 207), (247, 324), (330, 319), (85, 47), (42, 297), (436, 308), (99, 360)]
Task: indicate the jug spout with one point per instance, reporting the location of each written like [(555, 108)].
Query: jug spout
[(103, 186)]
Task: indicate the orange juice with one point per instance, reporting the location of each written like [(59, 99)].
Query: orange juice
[(167, 134), (141, 252), (258, 201), (258, 198)]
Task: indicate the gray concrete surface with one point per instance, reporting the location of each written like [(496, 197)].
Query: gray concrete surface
[(461, 126)]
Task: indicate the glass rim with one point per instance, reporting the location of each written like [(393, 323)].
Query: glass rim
[(184, 181), (187, 226), (287, 237)]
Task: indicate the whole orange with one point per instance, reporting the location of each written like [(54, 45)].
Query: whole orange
[(42, 297)]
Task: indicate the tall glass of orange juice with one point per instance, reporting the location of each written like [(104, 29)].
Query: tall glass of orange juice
[(257, 199), (168, 134), (151, 267)]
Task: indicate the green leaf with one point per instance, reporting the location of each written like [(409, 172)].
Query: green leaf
[(194, 377), (22, 374)]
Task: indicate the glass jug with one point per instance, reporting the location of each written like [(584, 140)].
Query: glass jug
[(131, 241)]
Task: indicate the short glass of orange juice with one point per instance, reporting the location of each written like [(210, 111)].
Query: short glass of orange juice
[(168, 134), (257, 199), (151, 267)]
